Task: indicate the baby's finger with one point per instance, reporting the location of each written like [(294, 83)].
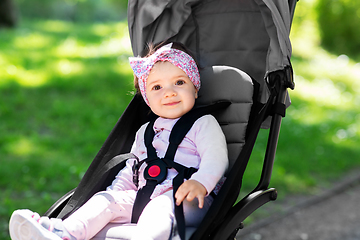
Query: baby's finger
[(191, 196), (180, 196), (201, 201)]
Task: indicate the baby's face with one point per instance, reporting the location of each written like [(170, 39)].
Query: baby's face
[(169, 90)]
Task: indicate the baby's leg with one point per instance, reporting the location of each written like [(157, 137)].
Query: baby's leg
[(102, 208), (157, 219), (88, 220)]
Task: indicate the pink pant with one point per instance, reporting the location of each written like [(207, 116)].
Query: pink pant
[(155, 222)]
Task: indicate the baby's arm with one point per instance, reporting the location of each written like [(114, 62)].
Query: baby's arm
[(190, 190), (211, 147)]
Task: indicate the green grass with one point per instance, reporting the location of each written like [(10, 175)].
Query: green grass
[(62, 89), (63, 86)]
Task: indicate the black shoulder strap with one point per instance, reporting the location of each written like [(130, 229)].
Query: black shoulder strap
[(184, 124), (148, 139), (179, 131)]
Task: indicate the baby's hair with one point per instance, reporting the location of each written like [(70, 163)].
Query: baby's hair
[(151, 49)]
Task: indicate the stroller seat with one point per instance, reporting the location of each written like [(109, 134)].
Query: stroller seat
[(251, 35), (237, 87)]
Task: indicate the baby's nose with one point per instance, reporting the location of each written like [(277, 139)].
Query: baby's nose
[(170, 92)]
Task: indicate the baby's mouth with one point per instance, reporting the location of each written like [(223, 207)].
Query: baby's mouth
[(172, 103)]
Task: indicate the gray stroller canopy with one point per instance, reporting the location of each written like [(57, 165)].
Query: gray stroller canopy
[(252, 35)]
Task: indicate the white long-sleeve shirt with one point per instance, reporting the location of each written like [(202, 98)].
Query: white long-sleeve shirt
[(204, 148)]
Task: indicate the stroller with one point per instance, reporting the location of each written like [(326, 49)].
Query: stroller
[(232, 40)]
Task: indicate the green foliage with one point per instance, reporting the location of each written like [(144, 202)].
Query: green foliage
[(339, 26), (320, 134), (73, 10), (63, 87)]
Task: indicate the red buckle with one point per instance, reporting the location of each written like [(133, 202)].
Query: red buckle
[(154, 171)]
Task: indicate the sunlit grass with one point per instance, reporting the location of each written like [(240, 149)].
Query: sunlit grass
[(58, 46), (63, 86)]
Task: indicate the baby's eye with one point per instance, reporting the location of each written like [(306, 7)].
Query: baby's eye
[(180, 82), (156, 87)]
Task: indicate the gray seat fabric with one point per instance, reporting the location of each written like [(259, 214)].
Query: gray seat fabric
[(229, 83), (114, 231), (217, 83)]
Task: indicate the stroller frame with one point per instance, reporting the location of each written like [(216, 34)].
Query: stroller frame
[(225, 218)]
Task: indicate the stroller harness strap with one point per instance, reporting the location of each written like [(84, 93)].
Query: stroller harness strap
[(156, 170)]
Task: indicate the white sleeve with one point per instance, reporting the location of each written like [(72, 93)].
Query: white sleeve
[(211, 146), (124, 179)]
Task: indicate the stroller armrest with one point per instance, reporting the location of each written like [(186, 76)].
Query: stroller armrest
[(55, 209), (242, 210)]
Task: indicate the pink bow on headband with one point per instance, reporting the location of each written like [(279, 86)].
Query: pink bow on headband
[(143, 66)]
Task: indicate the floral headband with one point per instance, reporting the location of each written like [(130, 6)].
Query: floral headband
[(143, 66)]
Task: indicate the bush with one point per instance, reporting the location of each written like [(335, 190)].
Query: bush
[(339, 26), (73, 10)]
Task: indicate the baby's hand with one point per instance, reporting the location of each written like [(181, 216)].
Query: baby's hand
[(189, 190)]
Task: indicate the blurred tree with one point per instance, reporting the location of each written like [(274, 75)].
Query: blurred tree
[(74, 10), (8, 13), (339, 22)]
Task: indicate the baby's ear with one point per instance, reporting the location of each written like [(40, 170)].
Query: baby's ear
[(196, 93)]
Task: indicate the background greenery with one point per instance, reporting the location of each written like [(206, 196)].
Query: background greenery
[(338, 24), (64, 82), (73, 10)]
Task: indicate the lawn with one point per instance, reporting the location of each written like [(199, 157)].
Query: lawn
[(63, 86), (62, 89)]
